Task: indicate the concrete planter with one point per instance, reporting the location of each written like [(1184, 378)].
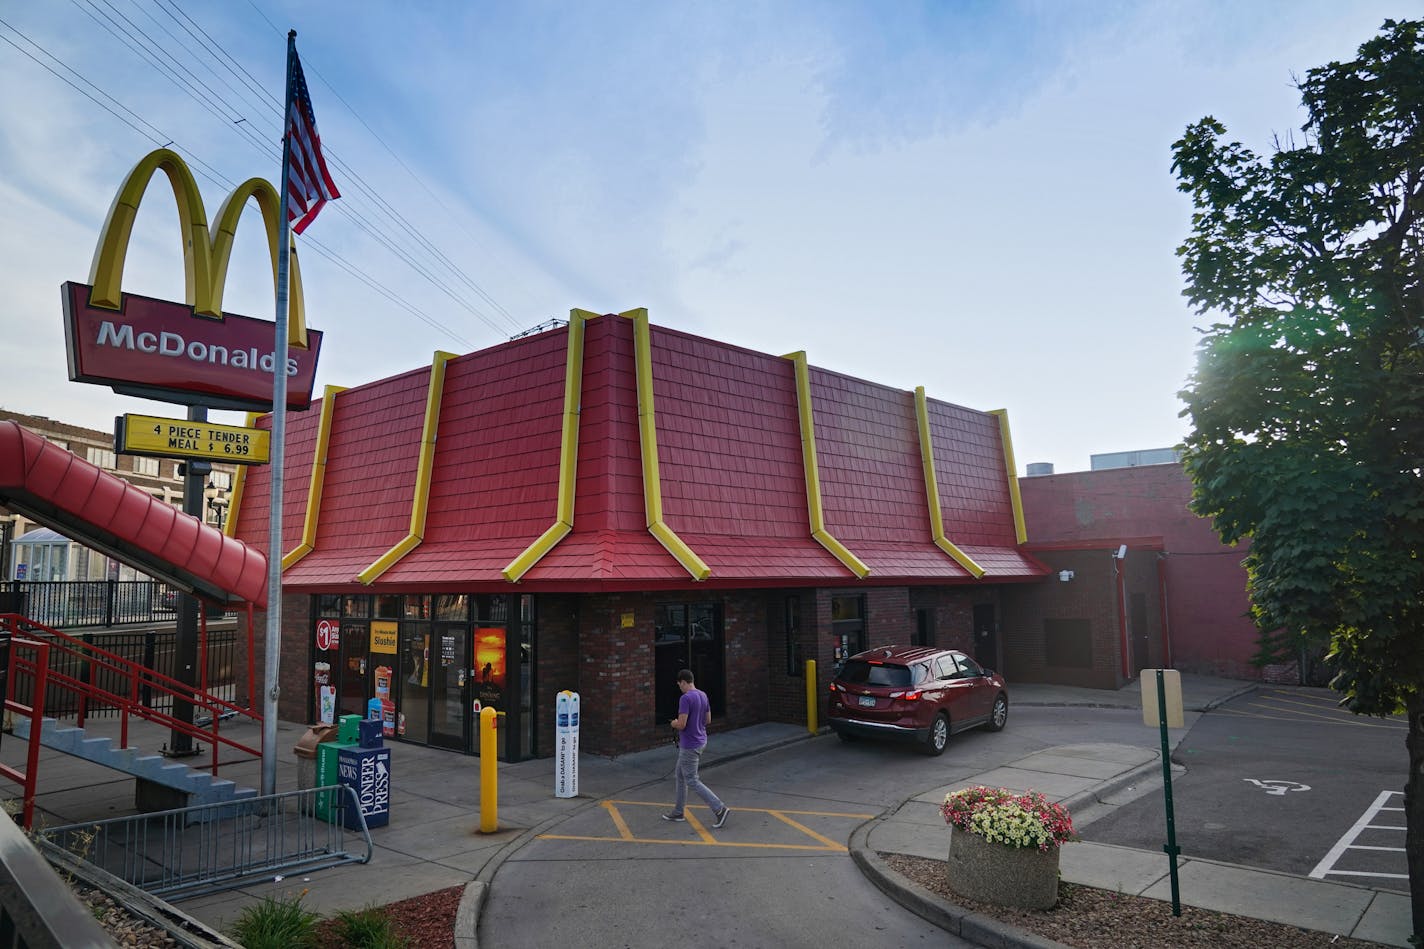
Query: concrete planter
[(992, 873)]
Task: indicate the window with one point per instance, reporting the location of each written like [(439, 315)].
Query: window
[(945, 668), (103, 457), (146, 466), (221, 479)]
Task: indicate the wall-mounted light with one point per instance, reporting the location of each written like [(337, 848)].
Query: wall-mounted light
[(1065, 575), (1121, 552)]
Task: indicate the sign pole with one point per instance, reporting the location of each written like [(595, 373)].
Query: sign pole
[(273, 640), (1171, 847), (185, 646)]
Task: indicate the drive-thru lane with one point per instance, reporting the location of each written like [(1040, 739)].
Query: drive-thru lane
[(777, 874)]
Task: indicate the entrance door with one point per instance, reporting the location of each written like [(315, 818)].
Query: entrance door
[(986, 636), (449, 666), (353, 682), (688, 636)]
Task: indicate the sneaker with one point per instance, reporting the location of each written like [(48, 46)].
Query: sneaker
[(722, 817), (675, 816)]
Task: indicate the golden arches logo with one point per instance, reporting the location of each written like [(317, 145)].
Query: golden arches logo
[(205, 258)]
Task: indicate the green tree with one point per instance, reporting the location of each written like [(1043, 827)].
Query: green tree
[(1307, 401)]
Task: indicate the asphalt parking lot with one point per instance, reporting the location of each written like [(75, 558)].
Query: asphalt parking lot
[(1283, 779)]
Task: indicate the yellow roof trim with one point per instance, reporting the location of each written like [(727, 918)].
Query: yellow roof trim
[(568, 453), (648, 443), (813, 473), (318, 479), (922, 420), (1020, 531), (420, 502)]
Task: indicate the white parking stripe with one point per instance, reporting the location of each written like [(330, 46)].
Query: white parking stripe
[(1347, 842)]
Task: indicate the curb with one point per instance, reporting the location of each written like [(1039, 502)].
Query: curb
[(978, 929), (467, 917)]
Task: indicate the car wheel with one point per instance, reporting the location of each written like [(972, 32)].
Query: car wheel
[(938, 736), (999, 715)]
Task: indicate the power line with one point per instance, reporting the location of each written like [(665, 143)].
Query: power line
[(156, 55)]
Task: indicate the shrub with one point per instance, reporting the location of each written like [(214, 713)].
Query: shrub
[(276, 924), (368, 928)]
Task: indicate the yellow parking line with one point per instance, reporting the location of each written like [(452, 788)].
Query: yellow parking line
[(1339, 715), (618, 821), (705, 839), (807, 831)]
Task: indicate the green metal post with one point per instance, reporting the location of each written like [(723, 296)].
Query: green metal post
[(1171, 848)]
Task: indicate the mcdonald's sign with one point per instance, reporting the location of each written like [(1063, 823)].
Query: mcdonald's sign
[(187, 352)]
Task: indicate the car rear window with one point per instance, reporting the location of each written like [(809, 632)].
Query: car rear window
[(860, 672)]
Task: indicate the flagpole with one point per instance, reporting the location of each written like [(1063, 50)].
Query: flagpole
[(273, 640)]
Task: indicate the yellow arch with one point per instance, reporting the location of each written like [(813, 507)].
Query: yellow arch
[(205, 259)]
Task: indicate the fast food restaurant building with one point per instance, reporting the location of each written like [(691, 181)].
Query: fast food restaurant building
[(597, 506)]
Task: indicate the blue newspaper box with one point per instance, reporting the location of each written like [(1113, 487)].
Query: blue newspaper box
[(369, 733), (368, 772)]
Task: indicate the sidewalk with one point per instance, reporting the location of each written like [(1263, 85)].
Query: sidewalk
[(433, 841)]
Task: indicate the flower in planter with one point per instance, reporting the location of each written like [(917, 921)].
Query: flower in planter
[(1003, 817)]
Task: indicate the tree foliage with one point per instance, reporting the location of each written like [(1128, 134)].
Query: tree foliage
[(1307, 401), (1307, 404)]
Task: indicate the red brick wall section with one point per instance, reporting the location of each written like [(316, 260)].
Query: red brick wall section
[(294, 670), (556, 664), (1091, 595), (1208, 609)]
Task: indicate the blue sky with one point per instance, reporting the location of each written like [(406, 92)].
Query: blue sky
[(974, 197)]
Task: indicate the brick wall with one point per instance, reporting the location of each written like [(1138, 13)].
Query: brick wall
[(1090, 597), (294, 668)]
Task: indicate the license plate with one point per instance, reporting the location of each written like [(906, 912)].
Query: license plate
[(867, 701)]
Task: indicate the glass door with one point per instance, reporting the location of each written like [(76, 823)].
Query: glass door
[(449, 674), (687, 636)]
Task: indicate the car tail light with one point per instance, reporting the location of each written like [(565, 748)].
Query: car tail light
[(910, 696)]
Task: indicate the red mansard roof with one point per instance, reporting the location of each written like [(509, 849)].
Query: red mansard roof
[(730, 466), (60, 490)]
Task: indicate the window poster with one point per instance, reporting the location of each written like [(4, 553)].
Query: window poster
[(489, 666)]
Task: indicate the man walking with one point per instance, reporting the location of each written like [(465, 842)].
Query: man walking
[(694, 714)]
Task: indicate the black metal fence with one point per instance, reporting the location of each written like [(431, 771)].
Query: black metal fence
[(155, 650), (81, 604)]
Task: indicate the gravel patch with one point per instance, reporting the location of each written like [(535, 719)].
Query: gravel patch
[(1090, 918)]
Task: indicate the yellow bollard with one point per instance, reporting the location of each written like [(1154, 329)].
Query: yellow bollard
[(489, 774), (813, 695)]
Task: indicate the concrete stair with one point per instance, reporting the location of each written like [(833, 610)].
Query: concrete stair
[(192, 785)]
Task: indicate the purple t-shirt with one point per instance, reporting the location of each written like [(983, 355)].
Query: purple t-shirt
[(694, 705)]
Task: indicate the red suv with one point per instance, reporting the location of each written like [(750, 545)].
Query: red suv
[(919, 693)]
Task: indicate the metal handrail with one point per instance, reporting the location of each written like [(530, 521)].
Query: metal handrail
[(39, 668), (136, 675)]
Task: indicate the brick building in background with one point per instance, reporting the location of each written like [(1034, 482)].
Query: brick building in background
[(1176, 598)]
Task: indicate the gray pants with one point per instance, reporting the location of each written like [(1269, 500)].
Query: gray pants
[(688, 760)]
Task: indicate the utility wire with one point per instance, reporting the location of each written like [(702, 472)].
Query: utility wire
[(373, 229), (155, 55)]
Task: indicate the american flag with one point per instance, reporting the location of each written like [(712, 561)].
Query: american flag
[(309, 184)]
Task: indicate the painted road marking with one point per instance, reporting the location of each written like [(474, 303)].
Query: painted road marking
[(1326, 866), (1278, 788), (1296, 717), (705, 838)]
